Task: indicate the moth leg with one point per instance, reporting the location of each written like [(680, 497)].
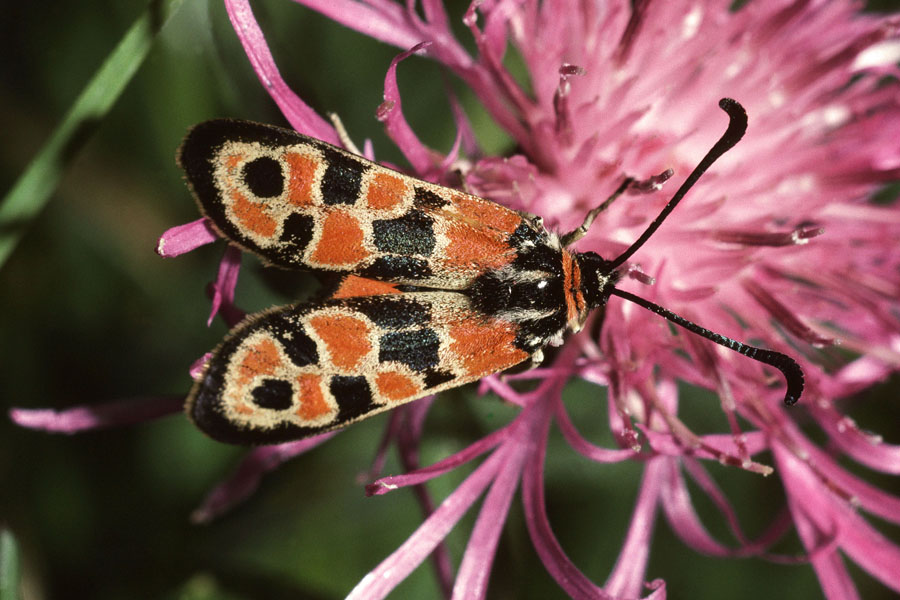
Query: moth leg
[(579, 232), (630, 184), (534, 361), (536, 222), (346, 142)]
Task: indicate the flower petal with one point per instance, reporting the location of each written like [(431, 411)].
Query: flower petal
[(561, 568), (246, 478), (628, 575), (379, 582), (388, 24), (393, 482), (586, 448), (100, 416), (184, 238), (223, 289), (472, 577), (391, 114), (301, 117)]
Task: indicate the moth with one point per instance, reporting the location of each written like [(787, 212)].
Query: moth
[(437, 287)]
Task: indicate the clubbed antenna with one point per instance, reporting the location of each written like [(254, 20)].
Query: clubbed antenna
[(792, 372), (737, 125)]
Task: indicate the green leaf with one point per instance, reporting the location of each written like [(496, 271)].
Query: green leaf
[(33, 189), (10, 575)]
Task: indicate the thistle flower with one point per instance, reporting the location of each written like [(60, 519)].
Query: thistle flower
[(780, 244)]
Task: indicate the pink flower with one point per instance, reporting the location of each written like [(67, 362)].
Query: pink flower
[(779, 243)]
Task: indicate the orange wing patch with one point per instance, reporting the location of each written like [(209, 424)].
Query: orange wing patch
[(312, 402), (468, 246), (487, 213), (345, 337), (396, 386), (302, 175), (252, 216), (354, 286), (232, 161), (485, 347), (261, 359), (341, 241), (386, 191)]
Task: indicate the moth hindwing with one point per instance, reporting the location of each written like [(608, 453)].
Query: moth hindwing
[(298, 370)]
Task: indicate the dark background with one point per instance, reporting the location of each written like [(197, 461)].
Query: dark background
[(89, 313)]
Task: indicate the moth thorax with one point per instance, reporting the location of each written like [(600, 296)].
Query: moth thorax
[(518, 295)]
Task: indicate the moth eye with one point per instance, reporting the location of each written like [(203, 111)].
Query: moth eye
[(263, 177), (274, 394)]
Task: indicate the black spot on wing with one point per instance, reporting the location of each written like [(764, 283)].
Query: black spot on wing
[(427, 199), (296, 233), (207, 407), (395, 312), (353, 396), (200, 151), (413, 233), (342, 180), (434, 378), (397, 267), (263, 177), (299, 347), (274, 394), (417, 349)]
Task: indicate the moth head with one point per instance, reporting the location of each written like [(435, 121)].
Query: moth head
[(598, 278)]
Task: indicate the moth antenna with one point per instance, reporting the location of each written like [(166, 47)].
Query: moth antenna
[(737, 125), (792, 372)]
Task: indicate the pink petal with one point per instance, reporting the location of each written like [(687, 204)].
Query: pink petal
[(586, 448), (560, 567), (100, 416), (866, 448), (184, 238), (873, 552), (628, 575), (388, 24), (298, 113), (391, 114), (244, 481), (393, 482), (719, 447), (196, 368), (679, 510), (395, 423), (379, 582), (870, 498), (463, 126), (819, 513), (472, 577), (223, 288)]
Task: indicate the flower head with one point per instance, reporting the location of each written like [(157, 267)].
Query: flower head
[(779, 244)]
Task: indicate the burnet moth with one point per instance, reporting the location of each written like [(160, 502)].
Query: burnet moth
[(437, 287)]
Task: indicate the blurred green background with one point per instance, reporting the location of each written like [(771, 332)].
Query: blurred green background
[(89, 313)]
